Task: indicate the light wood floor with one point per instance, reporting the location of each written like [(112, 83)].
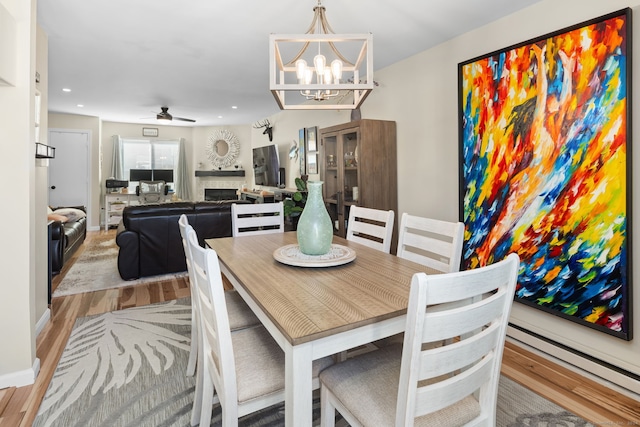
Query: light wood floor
[(19, 406)]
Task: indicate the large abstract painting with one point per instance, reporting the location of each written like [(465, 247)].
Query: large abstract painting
[(545, 169)]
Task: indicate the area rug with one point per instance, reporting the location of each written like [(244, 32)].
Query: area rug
[(97, 269), (127, 368)]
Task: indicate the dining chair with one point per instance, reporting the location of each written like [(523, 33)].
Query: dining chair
[(371, 227), (240, 315), (245, 368), (424, 382), (433, 243), (257, 218)]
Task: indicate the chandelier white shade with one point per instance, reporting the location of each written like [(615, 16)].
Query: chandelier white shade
[(320, 71)]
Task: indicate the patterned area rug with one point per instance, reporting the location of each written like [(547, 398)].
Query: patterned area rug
[(127, 368), (97, 269)]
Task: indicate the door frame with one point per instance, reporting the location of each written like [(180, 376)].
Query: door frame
[(89, 167)]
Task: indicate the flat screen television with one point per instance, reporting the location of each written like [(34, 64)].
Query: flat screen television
[(266, 165), (165, 175), (140, 175)]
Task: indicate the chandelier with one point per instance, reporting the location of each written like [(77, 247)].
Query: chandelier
[(322, 70)]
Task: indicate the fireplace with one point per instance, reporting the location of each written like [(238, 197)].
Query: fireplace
[(220, 194)]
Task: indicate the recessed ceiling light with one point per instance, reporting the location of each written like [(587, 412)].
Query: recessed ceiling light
[(66, 89), (234, 107), (219, 117), (80, 105)]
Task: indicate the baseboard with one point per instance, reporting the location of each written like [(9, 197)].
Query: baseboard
[(44, 319), (21, 378), (615, 378), (93, 228)]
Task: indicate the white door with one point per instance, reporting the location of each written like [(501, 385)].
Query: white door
[(69, 171)]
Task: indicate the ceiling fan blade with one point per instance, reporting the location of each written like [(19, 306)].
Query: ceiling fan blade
[(183, 119)]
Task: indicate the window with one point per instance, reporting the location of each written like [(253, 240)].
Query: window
[(145, 154)]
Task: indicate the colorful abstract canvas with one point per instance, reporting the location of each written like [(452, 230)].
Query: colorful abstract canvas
[(545, 169)]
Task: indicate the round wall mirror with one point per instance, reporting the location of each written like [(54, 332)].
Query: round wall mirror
[(223, 149)]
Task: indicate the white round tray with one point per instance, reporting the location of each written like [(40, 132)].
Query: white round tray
[(337, 255)]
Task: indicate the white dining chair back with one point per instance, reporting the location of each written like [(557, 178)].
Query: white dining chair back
[(244, 368), (433, 243), (448, 367), (183, 224), (371, 227), (257, 218), (240, 315)]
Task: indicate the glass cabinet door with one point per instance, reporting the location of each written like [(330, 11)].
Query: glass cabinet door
[(350, 160), (340, 175)]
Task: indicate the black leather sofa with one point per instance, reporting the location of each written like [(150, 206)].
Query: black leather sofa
[(66, 238), (149, 237)]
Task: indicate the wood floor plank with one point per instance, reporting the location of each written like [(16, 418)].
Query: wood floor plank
[(13, 420), (591, 400), (5, 397), (18, 402)]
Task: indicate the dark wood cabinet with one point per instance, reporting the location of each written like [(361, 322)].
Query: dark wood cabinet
[(358, 165)]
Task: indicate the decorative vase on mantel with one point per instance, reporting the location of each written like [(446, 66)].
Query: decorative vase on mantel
[(315, 229)]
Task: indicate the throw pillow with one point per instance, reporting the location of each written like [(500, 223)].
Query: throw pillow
[(54, 217), (72, 214)]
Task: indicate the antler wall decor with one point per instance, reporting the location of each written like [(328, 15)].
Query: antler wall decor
[(268, 128)]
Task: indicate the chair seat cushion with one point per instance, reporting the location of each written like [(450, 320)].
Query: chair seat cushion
[(240, 315), (260, 363), (368, 386)]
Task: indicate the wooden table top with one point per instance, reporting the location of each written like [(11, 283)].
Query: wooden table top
[(307, 303)]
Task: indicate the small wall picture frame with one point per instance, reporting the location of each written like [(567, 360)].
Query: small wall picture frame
[(312, 144), (302, 151), (312, 163), (149, 131)]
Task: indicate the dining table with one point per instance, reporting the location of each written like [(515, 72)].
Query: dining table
[(316, 306)]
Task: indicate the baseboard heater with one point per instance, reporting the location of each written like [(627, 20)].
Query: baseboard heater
[(583, 361)]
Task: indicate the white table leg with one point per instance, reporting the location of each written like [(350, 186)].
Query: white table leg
[(298, 386)]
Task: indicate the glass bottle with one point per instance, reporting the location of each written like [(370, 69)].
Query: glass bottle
[(315, 230)]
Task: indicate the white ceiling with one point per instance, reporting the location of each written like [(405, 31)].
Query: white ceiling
[(125, 59)]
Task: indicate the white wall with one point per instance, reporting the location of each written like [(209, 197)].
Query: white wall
[(17, 149), (41, 186), (421, 94)]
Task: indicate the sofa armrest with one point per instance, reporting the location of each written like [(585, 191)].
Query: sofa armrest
[(129, 253), (56, 246), (57, 230)]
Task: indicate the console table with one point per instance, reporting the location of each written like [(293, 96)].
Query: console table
[(114, 204), (257, 196)]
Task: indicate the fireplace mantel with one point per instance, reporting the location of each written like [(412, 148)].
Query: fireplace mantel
[(239, 172)]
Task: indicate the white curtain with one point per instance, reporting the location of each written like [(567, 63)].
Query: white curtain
[(117, 159), (183, 181)]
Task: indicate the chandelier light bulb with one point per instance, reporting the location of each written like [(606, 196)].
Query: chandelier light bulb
[(336, 70), (308, 75), (320, 61), (327, 75), (301, 69)]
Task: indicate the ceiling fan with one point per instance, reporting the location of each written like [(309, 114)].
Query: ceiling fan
[(165, 116)]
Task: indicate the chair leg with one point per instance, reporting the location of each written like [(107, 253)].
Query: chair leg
[(193, 352), (229, 415), (327, 410), (207, 401), (196, 408)]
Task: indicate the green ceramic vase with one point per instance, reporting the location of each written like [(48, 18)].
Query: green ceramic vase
[(315, 230)]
